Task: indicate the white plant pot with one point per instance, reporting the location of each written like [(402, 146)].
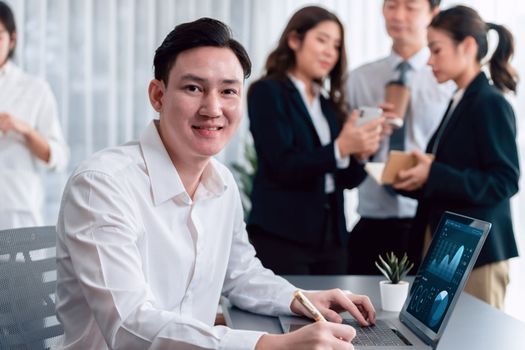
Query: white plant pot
[(393, 296)]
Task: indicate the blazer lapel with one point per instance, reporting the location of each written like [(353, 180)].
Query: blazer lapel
[(331, 117), (464, 103)]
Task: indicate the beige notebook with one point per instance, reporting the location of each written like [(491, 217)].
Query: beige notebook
[(386, 173)]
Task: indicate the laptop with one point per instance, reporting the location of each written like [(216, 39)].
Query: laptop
[(439, 282)]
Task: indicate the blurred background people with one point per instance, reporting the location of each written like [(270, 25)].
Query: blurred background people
[(30, 135), (386, 217), (476, 167), (305, 146)]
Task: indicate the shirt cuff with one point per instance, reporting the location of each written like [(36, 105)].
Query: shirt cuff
[(52, 155), (237, 339), (340, 162), (283, 301), (58, 156)]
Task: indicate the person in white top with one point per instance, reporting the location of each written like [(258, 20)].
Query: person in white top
[(151, 233), (386, 218), (30, 135)]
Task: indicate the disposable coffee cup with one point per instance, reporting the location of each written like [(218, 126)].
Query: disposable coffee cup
[(398, 94)]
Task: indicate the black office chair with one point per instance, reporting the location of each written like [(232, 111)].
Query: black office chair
[(27, 289)]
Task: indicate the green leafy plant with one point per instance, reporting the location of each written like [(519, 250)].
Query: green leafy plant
[(393, 268), (244, 173)]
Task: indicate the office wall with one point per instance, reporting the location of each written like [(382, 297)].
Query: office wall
[(97, 56)]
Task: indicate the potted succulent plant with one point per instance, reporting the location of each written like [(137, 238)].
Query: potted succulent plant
[(394, 291)]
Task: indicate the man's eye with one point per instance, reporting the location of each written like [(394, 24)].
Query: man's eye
[(230, 92), (192, 88)]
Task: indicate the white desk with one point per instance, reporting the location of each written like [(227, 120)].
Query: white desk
[(473, 325)]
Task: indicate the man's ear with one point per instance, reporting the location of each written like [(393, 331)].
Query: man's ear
[(156, 91)]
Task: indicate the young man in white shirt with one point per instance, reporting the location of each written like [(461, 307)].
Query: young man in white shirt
[(386, 218), (151, 233)]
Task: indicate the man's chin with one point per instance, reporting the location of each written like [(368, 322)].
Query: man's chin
[(210, 151)]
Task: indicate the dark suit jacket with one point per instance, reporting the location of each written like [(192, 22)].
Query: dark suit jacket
[(476, 169), (288, 195)]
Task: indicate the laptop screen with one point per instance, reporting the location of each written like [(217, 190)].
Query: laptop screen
[(443, 273)]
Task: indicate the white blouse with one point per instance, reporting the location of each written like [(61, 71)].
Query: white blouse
[(21, 190)]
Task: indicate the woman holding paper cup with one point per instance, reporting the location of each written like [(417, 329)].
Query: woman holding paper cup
[(476, 169), (305, 148)]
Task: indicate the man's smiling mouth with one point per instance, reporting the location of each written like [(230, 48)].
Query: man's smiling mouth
[(209, 128)]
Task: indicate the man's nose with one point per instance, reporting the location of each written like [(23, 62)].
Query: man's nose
[(211, 105), (399, 13)]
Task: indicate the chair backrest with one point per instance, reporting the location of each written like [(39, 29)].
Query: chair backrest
[(27, 289)]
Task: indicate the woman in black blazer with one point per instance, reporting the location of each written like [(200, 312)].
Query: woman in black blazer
[(476, 168), (303, 145)]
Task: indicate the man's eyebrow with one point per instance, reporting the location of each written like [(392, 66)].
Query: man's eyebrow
[(231, 81), (193, 77)]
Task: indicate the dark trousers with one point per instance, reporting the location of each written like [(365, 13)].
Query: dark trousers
[(371, 237), (291, 257)]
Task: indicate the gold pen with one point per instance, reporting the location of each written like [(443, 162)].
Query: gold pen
[(316, 314)]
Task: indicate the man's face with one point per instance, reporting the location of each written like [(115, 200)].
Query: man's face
[(407, 20), (200, 107)]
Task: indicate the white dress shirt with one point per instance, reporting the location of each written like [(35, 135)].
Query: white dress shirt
[(142, 265), (32, 101), (321, 127), (428, 102)]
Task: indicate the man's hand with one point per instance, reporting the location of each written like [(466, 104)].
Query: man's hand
[(10, 123), (414, 178), (318, 335), (359, 140), (331, 302), (324, 335)]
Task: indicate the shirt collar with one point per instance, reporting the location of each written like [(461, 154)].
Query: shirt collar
[(458, 95), (165, 180), (302, 88), (212, 180), (417, 61)]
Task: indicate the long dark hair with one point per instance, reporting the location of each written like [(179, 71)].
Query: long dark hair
[(8, 20), (461, 22), (282, 59)]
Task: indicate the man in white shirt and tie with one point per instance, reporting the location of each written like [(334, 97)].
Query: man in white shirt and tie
[(386, 218), (151, 233)]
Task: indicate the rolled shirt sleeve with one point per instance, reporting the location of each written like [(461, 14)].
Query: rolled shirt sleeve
[(48, 125)]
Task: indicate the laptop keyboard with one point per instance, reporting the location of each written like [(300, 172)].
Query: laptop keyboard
[(378, 335)]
